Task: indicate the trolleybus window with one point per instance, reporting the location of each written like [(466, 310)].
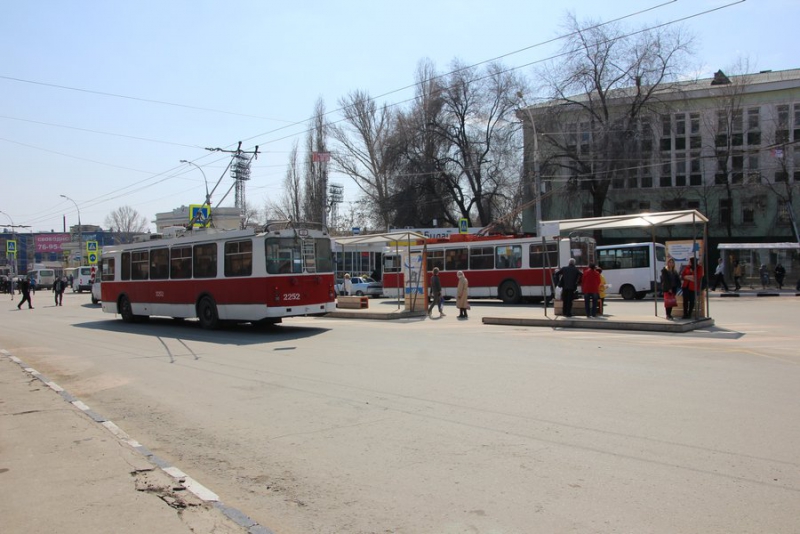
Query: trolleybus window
[(481, 258), (537, 258), (140, 265), (435, 259), (205, 261), (108, 270), (126, 266), (456, 259), (324, 255), (508, 257), (239, 258), (159, 264), (180, 263)]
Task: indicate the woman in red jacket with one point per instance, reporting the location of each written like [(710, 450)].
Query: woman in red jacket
[(692, 278), (590, 285)]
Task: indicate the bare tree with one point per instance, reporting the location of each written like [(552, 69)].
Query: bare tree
[(481, 170), (290, 205), (362, 154), (602, 86), (419, 196), (316, 174), (126, 222)]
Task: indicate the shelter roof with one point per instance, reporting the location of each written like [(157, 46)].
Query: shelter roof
[(616, 222), (388, 237), (760, 246)]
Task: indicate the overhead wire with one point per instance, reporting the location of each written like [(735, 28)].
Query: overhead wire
[(112, 196)]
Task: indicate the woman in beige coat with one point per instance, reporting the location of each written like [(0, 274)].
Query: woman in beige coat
[(462, 294)]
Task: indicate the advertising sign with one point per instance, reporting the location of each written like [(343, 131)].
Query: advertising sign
[(681, 251), (51, 242)]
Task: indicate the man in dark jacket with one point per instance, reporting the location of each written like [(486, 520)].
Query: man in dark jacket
[(436, 293), (25, 289), (58, 288), (569, 278)]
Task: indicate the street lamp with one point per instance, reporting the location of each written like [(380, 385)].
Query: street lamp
[(80, 230), (208, 196), (536, 176)]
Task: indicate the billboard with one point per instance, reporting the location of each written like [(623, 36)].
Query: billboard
[(50, 242)]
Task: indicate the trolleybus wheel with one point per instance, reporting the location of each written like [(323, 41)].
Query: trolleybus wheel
[(509, 292), (126, 310), (628, 292), (207, 313)]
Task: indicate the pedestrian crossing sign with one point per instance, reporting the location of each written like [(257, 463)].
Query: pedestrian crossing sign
[(91, 246), (199, 215), (11, 247), (463, 226)]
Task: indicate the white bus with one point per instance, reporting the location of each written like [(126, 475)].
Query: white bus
[(632, 270), (42, 278)]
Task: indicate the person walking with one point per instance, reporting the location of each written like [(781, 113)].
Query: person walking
[(719, 276), (763, 273), (737, 275), (670, 284), (568, 279), (58, 288), (25, 289), (590, 284), (691, 275), (436, 293), (780, 274), (462, 295)]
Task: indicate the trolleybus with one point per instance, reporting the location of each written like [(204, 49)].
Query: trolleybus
[(217, 276), (632, 270), (509, 268)]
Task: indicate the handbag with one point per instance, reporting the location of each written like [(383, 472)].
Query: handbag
[(669, 300)]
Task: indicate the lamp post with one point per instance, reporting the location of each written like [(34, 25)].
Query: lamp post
[(536, 176), (199, 168), (80, 231)]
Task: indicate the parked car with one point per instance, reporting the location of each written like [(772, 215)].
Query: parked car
[(362, 286)]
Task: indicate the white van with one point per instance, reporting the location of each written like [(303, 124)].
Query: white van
[(83, 278), (42, 278)]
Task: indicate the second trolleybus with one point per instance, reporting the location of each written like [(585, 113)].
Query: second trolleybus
[(508, 268), (217, 276)]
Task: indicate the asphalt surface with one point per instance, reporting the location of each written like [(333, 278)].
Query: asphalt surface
[(65, 468)]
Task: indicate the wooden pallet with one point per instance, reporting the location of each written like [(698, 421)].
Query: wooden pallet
[(356, 303)]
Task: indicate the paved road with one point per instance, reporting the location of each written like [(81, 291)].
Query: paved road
[(448, 426)]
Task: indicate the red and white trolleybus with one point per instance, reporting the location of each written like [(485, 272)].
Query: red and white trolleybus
[(509, 268), (214, 275)]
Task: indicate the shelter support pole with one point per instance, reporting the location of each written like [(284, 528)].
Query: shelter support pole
[(655, 273)]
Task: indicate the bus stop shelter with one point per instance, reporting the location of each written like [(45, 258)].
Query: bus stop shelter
[(647, 222), (397, 238)]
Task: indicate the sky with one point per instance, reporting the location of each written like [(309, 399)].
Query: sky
[(99, 100)]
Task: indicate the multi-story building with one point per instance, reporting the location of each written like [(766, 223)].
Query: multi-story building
[(726, 146)]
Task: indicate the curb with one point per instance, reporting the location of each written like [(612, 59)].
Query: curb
[(191, 485)]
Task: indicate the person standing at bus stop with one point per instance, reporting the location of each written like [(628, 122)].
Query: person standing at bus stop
[(590, 284), (670, 284), (462, 295), (692, 275), (568, 279), (436, 293), (58, 288)]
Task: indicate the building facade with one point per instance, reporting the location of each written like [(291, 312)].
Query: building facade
[(728, 147)]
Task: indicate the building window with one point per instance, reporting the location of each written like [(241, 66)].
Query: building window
[(753, 127), (693, 205), (782, 129), (783, 213), (797, 122), (587, 210), (724, 211), (644, 205), (665, 181), (748, 214)]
